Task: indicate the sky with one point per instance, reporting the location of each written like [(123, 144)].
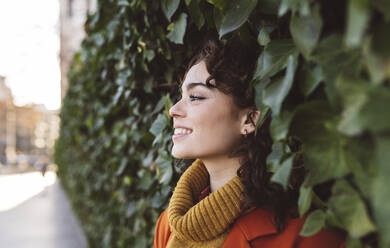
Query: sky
[(29, 51)]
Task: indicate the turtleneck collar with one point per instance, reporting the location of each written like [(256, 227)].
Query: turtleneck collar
[(208, 220)]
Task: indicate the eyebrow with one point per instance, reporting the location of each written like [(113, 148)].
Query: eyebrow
[(193, 85)]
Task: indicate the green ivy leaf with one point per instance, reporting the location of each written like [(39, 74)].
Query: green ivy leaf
[(380, 193), (217, 3), (302, 6), (375, 64), (280, 125), (145, 180), (164, 165), (158, 125), (350, 210), (196, 13), (353, 243), (276, 92), (324, 148), (309, 78), (306, 30), (354, 96), (282, 173), (358, 17), (304, 200), (236, 13), (333, 59), (178, 29), (313, 224), (263, 38), (273, 159), (169, 7), (274, 58)]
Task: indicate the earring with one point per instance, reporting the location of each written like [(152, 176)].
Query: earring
[(245, 133)]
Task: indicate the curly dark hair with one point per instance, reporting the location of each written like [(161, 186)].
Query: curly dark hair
[(231, 64)]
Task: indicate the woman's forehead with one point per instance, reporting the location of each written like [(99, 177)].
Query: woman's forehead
[(197, 73)]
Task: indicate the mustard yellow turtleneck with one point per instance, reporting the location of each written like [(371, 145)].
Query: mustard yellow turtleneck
[(206, 223)]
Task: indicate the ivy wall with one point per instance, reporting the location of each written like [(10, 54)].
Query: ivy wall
[(323, 71)]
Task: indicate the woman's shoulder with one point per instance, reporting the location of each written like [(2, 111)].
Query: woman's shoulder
[(162, 231), (256, 229)]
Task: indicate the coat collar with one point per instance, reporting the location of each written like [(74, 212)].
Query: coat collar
[(256, 223)]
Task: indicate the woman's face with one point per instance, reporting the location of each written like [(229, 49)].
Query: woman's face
[(206, 121)]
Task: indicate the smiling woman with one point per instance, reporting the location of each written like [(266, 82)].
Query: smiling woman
[(225, 197)]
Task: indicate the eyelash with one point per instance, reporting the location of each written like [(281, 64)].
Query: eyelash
[(196, 98)]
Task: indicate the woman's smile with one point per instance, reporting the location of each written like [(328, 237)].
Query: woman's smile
[(181, 132)]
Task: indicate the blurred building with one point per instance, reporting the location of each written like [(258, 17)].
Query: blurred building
[(73, 14), (7, 139), (28, 130)]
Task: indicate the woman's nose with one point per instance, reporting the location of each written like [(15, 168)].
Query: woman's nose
[(176, 110)]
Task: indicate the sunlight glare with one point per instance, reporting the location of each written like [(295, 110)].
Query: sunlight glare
[(18, 188)]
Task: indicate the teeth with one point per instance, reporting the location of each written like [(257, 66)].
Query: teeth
[(182, 131)]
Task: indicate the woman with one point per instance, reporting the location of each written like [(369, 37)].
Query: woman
[(225, 198)]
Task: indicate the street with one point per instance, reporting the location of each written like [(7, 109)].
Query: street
[(35, 213)]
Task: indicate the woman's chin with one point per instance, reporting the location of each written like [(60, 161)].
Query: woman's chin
[(181, 154)]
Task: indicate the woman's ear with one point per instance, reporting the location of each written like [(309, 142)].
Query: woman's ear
[(249, 120)]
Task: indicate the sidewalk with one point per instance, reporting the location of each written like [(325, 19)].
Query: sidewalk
[(43, 220)]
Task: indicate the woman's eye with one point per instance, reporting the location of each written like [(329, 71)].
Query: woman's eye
[(196, 98)]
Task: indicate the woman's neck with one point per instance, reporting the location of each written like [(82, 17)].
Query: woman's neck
[(221, 170)]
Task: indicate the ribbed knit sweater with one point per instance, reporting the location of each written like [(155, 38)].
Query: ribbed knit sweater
[(205, 223)]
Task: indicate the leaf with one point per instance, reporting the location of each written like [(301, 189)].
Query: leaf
[(276, 92), (334, 60), (168, 106), (164, 165), (313, 224), (302, 6), (280, 125), (217, 3), (169, 7), (273, 159), (178, 29), (304, 200), (324, 148), (358, 16), (282, 174), (217, 14), (349, 208), (353, 243), (122, 166), (259, 87), (236, 13), (274, 58), (380, 193), (354, 96), (158, 125), (374, 114), (376, 65), (145, 180), (309, 78), (131, 208), (196, 13), (306, 31), (263, 39)]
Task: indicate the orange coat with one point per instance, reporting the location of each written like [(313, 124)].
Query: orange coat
[(256, 229)]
